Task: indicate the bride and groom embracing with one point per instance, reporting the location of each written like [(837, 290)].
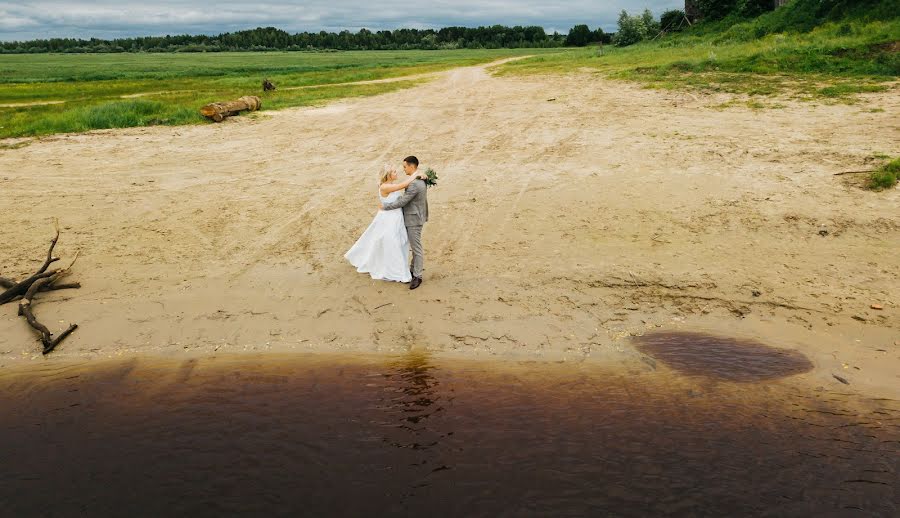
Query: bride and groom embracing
[(383, 249)]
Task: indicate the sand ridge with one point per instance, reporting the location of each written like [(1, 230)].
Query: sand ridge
[(560, 228)]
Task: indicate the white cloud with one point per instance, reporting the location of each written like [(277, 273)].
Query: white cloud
[(107, 19)]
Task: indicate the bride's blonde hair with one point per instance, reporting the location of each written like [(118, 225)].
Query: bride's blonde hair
[(386, 172)]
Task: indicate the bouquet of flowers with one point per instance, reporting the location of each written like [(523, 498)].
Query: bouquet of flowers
[(431, 177)]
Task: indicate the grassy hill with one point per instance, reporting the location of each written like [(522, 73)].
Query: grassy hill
[(807, 48), (806, 15)]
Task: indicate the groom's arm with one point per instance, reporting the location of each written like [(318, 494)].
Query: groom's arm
[(405, 198)]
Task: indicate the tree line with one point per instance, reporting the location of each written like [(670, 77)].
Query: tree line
[(631, 29), (272, 39)]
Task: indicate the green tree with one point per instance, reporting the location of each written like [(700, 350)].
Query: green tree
[(650, 23), (714, 9), (753, 8), (579, 36), (672, 20), (602, 37), (632, 29)]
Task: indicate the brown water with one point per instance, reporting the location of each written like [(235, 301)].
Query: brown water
[(718, 357), (330, 436)]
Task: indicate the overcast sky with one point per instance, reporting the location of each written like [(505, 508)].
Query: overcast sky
[(22, 20)]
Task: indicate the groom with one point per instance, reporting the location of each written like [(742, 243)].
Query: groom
[(415, 213)]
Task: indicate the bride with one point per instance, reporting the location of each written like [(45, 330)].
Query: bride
[(382, 250)]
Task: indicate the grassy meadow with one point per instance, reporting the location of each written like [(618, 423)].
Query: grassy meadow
[(96, 91), (784, 52)]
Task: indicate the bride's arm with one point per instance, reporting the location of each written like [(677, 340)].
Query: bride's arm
[(387, 188)]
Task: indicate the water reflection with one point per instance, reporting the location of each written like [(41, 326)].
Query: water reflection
[(413, 390), (338, 436), (412, 402)]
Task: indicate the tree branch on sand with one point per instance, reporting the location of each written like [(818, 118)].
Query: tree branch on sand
[(42, 280), (854, 172)]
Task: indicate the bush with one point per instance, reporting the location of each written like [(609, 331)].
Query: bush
[(714, 9), (672, 20), (632, 29), (885, 177), (718, 9), (602, 37), (752, 8), (805, 15), (650, 23)]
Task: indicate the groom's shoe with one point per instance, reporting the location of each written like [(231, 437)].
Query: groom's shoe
[(416, 282)]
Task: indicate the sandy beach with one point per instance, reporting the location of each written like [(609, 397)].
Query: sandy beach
[(572, 213)]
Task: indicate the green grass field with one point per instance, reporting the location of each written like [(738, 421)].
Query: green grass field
[(833, 61), (96, 91)]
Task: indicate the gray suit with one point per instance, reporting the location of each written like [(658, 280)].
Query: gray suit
[(414, 202)]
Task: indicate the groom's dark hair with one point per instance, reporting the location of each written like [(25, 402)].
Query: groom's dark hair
[(412, 160)]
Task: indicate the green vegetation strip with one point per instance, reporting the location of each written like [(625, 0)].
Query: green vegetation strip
[(831, 61), (123, 90)]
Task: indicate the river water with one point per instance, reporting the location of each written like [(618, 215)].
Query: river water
[(320, 435)]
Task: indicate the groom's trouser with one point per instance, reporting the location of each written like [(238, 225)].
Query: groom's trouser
[(418, 253)]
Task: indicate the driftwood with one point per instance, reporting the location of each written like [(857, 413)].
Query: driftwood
[(41, 281), (854, 172), (219, 111), (25, 309), (18, 289), (268, 86)]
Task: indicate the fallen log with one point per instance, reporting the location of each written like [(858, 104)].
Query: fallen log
[(219, 111), (41, 281)]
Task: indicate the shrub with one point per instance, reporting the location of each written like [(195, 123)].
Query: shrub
[(750, 8), (632, 29), (672, 20), (885, 177), (601, 36), (651, 24), (714, 9), (805, 15)]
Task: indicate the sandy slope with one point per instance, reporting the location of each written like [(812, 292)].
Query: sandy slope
[(559, 227)]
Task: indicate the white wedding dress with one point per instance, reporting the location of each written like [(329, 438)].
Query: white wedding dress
[(382, 250)]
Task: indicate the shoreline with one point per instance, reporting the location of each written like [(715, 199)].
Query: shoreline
[(618, 356)]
